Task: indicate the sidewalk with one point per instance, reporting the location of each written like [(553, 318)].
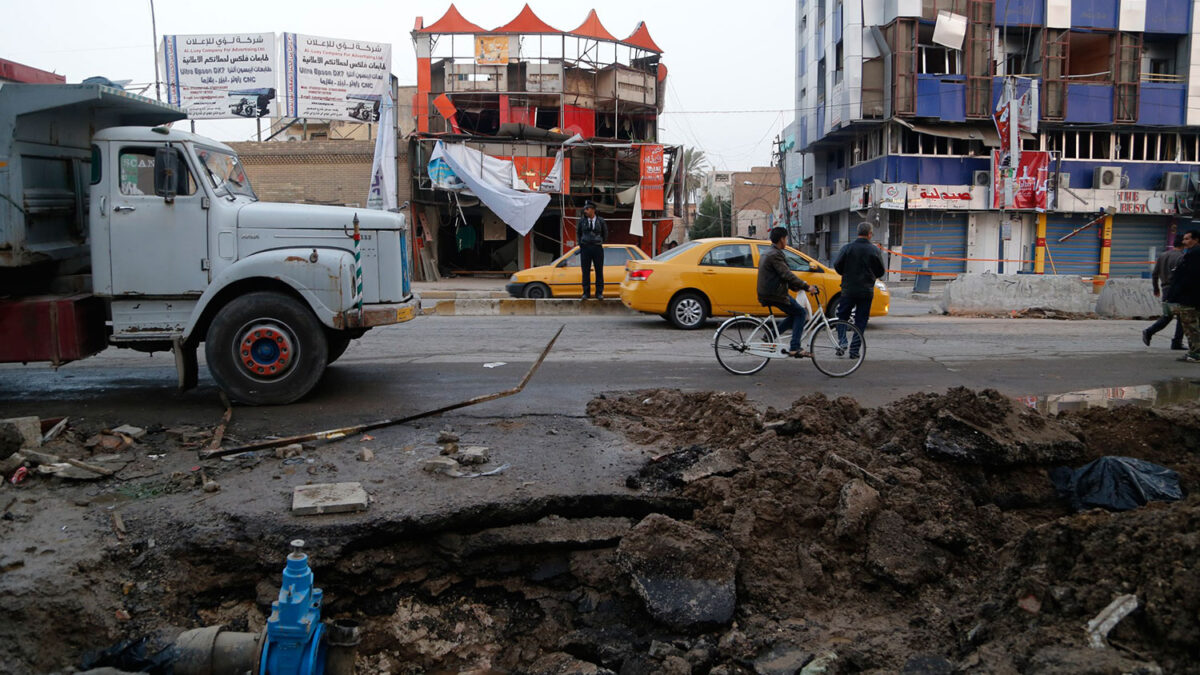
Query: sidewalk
[(471, 296)]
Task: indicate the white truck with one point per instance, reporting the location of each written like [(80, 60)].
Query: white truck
[(117, 231)]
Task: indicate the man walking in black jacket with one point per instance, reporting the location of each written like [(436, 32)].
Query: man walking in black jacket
[(593, 232), (1164, 269), (1184, 294), (860, 265)]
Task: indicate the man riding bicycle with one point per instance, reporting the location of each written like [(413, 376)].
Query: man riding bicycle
[(774, 281)]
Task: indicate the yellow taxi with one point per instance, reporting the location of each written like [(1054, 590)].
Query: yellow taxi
[(562, 278), (719, 277)]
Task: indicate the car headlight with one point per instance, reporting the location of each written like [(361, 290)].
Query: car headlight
[(880, 285), (512, 279)]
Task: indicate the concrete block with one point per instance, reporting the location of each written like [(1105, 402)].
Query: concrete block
[(474, 454), (30, 429), (1128, 299), (989, 292), (308, 500), (136, 433)]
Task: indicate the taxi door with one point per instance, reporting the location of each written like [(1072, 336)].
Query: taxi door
[(729, 278)]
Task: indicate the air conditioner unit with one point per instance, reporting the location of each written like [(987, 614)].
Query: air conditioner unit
[(981, 178), (822, 192), (1107, 178), (840, 185), (1175, 181), (1058, 180)]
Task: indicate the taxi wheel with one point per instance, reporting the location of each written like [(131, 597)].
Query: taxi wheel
[(688, 311), (537, 291), (831, 308)]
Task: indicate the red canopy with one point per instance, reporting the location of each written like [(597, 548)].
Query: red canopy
[(451, 22), (641, 39), (592, 28), (527, 23)]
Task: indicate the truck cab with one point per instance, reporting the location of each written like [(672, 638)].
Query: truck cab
[(159, 233)]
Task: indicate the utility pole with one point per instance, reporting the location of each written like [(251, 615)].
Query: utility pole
[(779, 156), (154, 46)]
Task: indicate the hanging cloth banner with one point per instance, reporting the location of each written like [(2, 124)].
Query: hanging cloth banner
[(635, 224), (490, 179), (382, 194), (652, 177)]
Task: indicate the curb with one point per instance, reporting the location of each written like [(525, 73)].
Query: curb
[(527, 307), (463, 295)]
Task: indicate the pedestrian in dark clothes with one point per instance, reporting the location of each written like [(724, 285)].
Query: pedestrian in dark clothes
[(593, 232), (1164, 268), (1184, 294), (860, 265)]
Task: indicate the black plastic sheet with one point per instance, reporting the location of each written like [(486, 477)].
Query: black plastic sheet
[(1116, 483)]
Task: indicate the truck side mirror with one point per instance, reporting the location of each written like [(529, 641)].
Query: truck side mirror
[(166, 173)]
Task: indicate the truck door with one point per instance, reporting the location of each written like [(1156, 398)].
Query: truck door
[(157, 247)]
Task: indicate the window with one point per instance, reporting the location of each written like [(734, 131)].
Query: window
[(97, 170), (614, 257), (137, 173), (838, 62), (821, 81), (729, 255), (795, 262), (225, 172)]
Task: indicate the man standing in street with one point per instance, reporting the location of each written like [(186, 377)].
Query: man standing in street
[(1164, 267), (1183, 296), (593, 232), (860, 265), (775, 278)]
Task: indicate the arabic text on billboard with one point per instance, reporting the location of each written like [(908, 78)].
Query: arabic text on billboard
[(221, 76), (331, 78)]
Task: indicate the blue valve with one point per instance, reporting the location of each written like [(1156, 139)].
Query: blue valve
[(294, 644)]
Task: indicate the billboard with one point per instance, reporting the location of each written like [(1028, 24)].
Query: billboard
[(1023, 188), (227, 75), (331, 78)]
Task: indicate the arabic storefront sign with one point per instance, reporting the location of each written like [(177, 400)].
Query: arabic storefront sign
[(330, 78), (1146, 201), (652, 177), (891, 195), (939, 197), (1024, 187), (221, 76)]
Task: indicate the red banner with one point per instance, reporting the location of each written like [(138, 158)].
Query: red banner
[(533, 170), (652, 178), (1026, 184)]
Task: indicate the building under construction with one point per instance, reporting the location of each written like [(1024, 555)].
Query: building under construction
[(524, 92)]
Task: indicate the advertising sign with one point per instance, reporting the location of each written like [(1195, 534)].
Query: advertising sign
[(491, 50), (330, 78), (938, 197), (652, 177), (1022, 188), (221, 76), (1146, 201), (891, 195)]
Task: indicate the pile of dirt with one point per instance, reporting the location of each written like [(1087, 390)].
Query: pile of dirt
[(879, 535)]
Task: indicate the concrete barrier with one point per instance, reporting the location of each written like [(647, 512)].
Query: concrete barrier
[(1128, 299), (990, 292)]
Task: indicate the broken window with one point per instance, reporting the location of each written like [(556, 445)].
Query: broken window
[(821, 81), (1090, 57), (935, 59), (1160, 59), (839, 62)]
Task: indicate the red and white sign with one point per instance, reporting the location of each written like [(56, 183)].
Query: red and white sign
[(1023, 188), (1146, 201), (938, 197), (652, 178)]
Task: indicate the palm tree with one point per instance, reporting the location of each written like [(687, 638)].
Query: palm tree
[(695, 165)]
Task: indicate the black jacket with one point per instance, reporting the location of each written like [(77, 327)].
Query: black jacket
[(860, 265), (775, 278), (592, 235), (1185, 282)]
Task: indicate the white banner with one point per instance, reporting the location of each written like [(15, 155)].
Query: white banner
[(383, 173), (489, 178), (221, 76), (329, 78)]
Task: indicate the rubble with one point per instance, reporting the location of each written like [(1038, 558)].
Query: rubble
[(29, 429), (473, 455), (310, 500)]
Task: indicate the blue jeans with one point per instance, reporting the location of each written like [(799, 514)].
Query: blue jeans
[(861, 306), (797, 316)]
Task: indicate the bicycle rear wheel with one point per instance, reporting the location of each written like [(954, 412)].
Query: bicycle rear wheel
[(732, 342), (831, 348)]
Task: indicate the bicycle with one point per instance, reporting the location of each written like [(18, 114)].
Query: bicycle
[(745, 344)]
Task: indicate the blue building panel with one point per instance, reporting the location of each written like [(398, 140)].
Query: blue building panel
[(1079, 254), (1162, 103), (1020, 12), (1168, 16), (1023, 86), (943, 97), (1138, 175), (911, 169), (945, 236), (1098, 14), (1089, 103)]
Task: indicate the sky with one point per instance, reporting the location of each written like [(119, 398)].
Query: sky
[(731, 74)]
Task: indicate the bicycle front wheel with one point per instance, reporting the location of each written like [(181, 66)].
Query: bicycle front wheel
[(733, 341), (838, 348)]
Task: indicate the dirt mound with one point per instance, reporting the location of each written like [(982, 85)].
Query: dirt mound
[(877, 534)]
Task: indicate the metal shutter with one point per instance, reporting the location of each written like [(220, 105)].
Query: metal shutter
[(1133, 237), (944, 233), (1079, 254)]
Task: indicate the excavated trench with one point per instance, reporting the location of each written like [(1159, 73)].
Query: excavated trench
[(920, 537)]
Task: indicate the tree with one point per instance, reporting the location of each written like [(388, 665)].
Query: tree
[(713, 218), (694, 167)]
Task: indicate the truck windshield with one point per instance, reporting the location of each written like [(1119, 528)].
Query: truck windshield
[(225, 172)]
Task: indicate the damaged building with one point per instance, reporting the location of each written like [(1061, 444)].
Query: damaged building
[(540, 112)]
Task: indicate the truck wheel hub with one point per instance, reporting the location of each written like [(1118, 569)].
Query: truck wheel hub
[(265, 351)]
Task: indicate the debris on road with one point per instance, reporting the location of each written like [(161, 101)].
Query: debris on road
[(1099, 627), (136, 433), (28, 428), (289, 451), (473, 454), (1116, 483), (494, 364), (447, 436), (56, 429), (439, 465), (308, 500), (365, 455)]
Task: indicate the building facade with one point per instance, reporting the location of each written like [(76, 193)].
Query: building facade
[(895, 103), (522, 93), (755, 201)]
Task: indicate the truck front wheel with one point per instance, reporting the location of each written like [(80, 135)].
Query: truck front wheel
[(266, 348)]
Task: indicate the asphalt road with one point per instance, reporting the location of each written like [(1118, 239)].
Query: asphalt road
[(433, 361)]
